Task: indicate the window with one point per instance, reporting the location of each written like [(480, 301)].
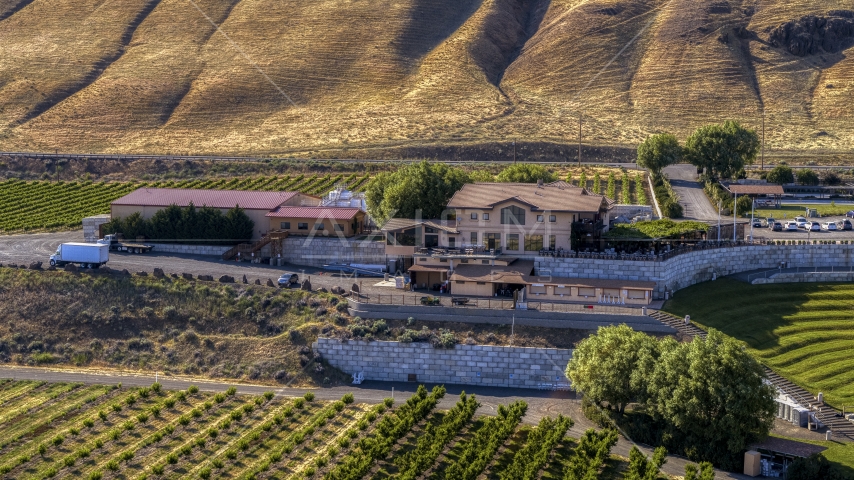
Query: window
[(443, 260), (485, 262), (552, 218), (552, 239), (406, 238), (473, 238), (485, 216), (464, 260), (452, 242), (512, 215), (481, 283), (339, 227), (537, 289), (459, 282), (302, 226), (318, 226), (586, 292), (512, 241), (491, 240), (389, 238), (285, 225), (474, 216), (429, 230), (539, 219), (636, 294), (533, 243)]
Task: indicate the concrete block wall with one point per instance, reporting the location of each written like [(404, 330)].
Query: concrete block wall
[(91, 226), (800, 277), (210, 250), (694, 267), (319, 251), (466, 364)]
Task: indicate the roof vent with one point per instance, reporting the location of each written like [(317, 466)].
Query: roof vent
[(540, 183)]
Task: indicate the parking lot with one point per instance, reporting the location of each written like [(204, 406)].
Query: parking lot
[(801, 234)]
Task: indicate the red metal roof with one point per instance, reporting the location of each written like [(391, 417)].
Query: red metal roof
[(246, 199), (332, 213)]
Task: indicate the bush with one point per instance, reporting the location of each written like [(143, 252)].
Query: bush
[(155, 387), (192, 390), (231, 391), (347, 398), (309, 396)]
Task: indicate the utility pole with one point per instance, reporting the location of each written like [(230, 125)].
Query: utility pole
[(579, 140), (763, 140), (752, 213), (719, 222), (514, 151), (734, 210)]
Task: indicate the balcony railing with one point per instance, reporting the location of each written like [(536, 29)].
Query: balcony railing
[(588, 227)]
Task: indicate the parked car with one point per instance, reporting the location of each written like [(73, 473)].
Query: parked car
[(802, 222), (791, 226), (845, 224), (770, 221), (849, 214), (829, 226), (777, 226), (288, 279), (757, 223), (813, 226)]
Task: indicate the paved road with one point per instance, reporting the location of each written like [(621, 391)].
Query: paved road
[(695, 204), (540, 403)]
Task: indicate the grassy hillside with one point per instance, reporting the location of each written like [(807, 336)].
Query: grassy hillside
[(802, 331), (360, 78)]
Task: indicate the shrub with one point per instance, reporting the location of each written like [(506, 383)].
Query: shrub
[(102, 415), (128, 425), (142, 418), (388, 401), (231, 454), (217, 463), (183, 420), (172, 459), (195, 413), (157, 469), (205, 473), (299, 403), (112, 465), (155, 411), (83, 452), (186, 449), (117, 407), (115, 434), (57, 440), (96, 475), (69, 461), (144, 392), (155, 387), (74, 431), (219, 397), (99, 443), (130, 400), (127, 456), (169, 402), (42, 449), (248, 407), (309, 396), (236, 415), (212, 432), (181, 396), (192, 390), (338, 405), (269, 395), (88, 423), (231, 391), (347, 398)]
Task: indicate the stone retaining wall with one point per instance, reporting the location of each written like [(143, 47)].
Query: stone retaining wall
[(465, 364), (319, 251), (699, 266)]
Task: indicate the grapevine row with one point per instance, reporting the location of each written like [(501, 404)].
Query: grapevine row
[(534, 455), (592, 451), (389, 430), (433, 440), (480, 449)]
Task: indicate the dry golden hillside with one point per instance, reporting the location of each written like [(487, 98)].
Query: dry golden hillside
[(364, 78)]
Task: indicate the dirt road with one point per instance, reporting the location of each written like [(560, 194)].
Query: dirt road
[(695, 204)]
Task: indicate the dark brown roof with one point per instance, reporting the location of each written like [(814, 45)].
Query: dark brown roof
[(513, 273), (590, 282), (756, 189), (182, 197), (556, 196), (393, 224), (789, 447)]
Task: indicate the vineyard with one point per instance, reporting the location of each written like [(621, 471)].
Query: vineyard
[(43, 205), (99, 432)]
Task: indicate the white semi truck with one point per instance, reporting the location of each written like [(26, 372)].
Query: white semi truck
[(87, 255)]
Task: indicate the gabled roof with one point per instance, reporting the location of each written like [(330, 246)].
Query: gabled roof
[(516, 272), (756, 189), (182, 197), (555, 196), (332, 213), (394, 224)]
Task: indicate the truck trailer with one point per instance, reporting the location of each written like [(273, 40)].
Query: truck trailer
[(87, 255), (116, 242)]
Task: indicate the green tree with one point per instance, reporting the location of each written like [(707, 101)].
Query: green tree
[(568, 178), (659, 151), (812, 467), (722, 149), (781, 174), (526, 173), (582, 180), (611, 366), (807, 176), (612, 186), (704, 472), (711, 395), (481, 176), (422, 186), (744, 206), (238, 226), (626, 189), (641, 468), (597, 184)]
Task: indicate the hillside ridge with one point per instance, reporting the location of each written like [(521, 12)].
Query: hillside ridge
[(346, 79)]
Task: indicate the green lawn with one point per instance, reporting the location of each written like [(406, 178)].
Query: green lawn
[(837, 452), (804, 332), (792, 211)]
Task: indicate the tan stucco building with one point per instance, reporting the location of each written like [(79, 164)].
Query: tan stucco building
[(322, 221), (256, 204)]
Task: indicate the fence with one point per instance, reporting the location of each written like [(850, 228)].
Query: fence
[(657, 257), (496, 304), (777, 271)]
